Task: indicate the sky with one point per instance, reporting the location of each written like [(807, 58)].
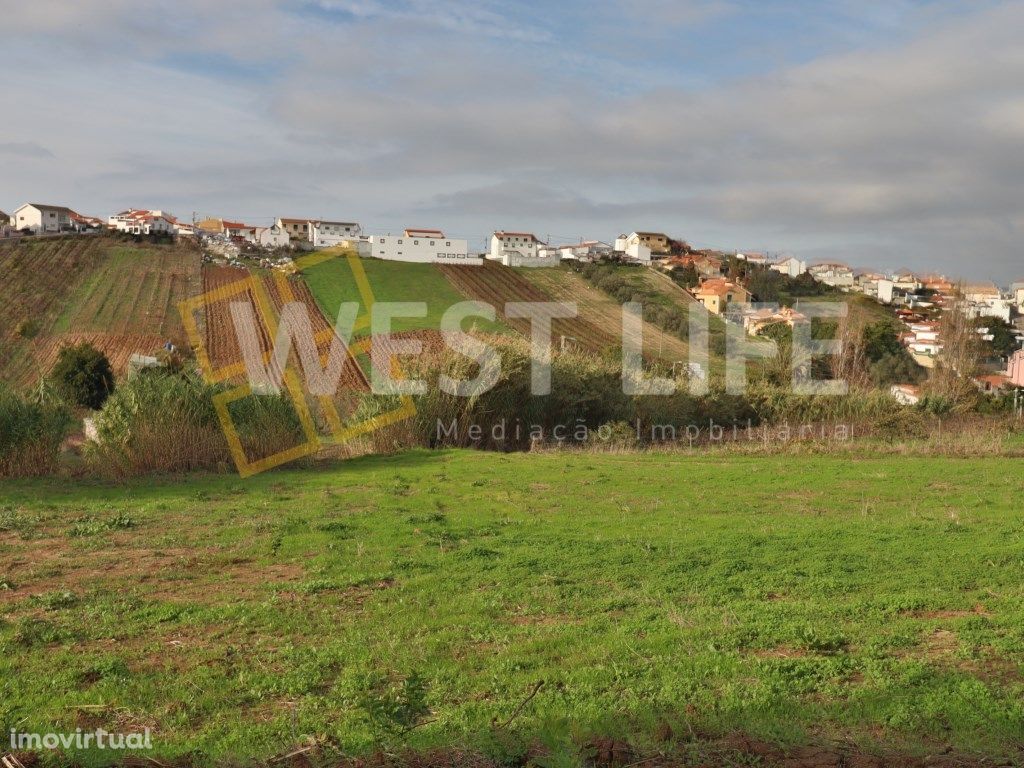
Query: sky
[(885, 133)]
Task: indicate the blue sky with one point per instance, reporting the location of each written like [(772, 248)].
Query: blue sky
[(884, 133)]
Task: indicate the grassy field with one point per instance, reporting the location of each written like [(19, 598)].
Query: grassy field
[(418, 600), (332, 284)]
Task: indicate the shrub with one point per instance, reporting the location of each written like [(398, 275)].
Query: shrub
[(83, 375), (31, 433), (165, 422)]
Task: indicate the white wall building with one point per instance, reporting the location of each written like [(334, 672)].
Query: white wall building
[(505, 245), (139, 221), (434, 247), (41, 218), (1017, 293), (633, 247), (588, 250), (326, 234), (833, 273), (1000, 308), (272, 237), (790, 266)]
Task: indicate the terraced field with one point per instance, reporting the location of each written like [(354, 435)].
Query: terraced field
[(498, 285), (39, 278), (564, 284), (221, 335), (135, 291), (61, 291)]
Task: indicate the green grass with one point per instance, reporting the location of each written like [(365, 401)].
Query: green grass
[(332, 284), (793, 599)]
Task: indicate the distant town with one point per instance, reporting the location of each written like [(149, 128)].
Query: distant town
[(719, 280)]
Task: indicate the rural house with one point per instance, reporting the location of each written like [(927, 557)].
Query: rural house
[(717, 293), (1017, 294), (790, 266), (658, 243), (324, 234), (430, 246), (833, 273), (42, 218), (508, 245), (587, 250), (139, 221), (297, 229), (272, 237)]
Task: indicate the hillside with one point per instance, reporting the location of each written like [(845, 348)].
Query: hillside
[(564, 284), (122, 298), (332, 283)]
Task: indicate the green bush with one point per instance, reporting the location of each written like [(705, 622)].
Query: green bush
[(31, 433), (83, 375)]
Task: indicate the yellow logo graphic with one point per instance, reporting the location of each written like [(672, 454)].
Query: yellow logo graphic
[(337, 431)]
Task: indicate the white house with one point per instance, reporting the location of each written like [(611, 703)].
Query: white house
[(753, 258), (139, 221), (980, 292), (1000, 308), (588, 250), (272, 237), (634, 247), (833, 273), (1017, 293), (886, 291), (325, 234), (505, 245), (41, 218), (421, 246), (790, 266)]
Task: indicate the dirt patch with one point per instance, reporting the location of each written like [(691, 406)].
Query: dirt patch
[(178, 574), (977, 610)]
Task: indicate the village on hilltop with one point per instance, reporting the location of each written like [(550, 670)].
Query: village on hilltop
[(710, 276)]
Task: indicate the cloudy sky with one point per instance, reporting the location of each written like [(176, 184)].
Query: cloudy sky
[(885, 132)]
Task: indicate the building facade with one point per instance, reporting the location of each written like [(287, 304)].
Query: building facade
[(507, 245), (435, 248), (41, 218)]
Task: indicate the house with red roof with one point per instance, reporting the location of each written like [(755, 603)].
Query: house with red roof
[(140, 221)]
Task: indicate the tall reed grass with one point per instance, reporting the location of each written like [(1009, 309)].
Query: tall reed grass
[(167, 422), (32, 429)]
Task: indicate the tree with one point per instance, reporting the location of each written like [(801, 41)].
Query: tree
[(958, 362), (83, 376), (685, 276), (1004, 336)]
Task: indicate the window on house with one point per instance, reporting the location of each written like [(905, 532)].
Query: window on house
[(415, 242), (431, 242), (448, 244), (399, 242)]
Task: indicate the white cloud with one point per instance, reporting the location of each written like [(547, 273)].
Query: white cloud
[(480, 113)]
